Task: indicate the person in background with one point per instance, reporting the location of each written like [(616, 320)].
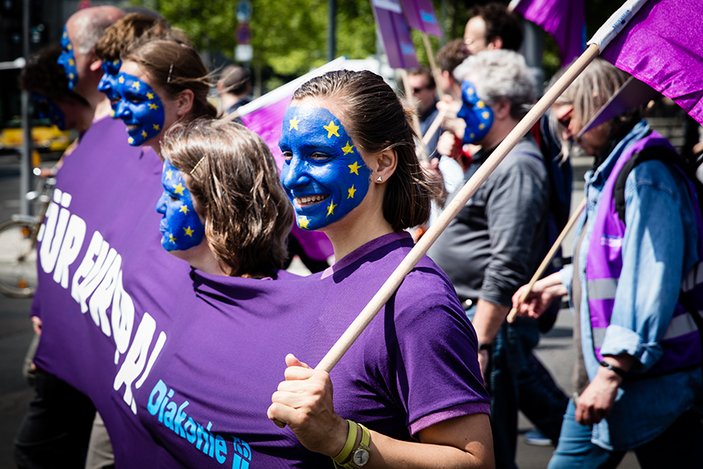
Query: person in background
[(119, 39), (81, 66), (491, 27), (638, 351), (234, 88), (499, 237), (424, 96)]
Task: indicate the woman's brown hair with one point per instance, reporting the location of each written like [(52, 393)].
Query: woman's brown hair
[(234, 182), (128, 30), (174, 67), (376, 120)]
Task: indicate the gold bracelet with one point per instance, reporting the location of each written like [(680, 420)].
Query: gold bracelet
[(343, 455)]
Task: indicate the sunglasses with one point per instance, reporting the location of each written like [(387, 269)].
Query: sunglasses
[(565, 119)]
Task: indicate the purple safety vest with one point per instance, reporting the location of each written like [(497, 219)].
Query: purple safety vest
[(681, 343)]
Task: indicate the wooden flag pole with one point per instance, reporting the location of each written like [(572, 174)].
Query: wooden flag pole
[(457, 203), (436, 73), (548, 258), (434, 126)]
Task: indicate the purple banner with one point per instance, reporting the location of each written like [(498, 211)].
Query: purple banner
[(395, 34), (662, 45), (564, 20), (421, 16)]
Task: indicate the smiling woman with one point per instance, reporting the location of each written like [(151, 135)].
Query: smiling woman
[(412, 377), (160, 82)]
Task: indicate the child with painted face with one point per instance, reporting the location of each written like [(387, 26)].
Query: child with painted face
[(159, 83), (412, 376), (220, 218)]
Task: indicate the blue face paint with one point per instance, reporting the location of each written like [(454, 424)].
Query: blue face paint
[(67, 59), (139, 107), (108, 82), (180, 226), (45, 108), (475, 112), (324, 174)]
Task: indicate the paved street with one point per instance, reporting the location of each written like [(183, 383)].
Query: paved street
[(555, 349), (15, 332)]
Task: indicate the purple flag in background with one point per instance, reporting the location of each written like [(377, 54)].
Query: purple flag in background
[(264, 115), (662, 45), (266, 121), (395, 34), (421, 16), (564, 20)]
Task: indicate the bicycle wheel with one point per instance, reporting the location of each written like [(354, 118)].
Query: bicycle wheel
[(18, 257)]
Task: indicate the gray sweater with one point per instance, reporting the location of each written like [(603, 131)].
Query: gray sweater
[(495, 243)]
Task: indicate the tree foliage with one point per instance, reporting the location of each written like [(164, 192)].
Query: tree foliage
[(290, 37)]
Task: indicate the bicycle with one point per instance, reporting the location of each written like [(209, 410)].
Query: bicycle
[(18, 238)]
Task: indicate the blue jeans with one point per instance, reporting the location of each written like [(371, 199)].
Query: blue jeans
[(678, 447), (517, 380)]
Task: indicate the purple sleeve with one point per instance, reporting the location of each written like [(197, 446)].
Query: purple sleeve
[(437, 372)]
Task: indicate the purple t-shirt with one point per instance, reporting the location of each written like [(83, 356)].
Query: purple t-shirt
[(415, 365)]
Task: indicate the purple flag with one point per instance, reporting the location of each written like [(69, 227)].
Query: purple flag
[(421, 16), (395, 34), (564, 20), (662, 45)]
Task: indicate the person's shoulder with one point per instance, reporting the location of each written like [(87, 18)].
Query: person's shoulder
[(428, 287), (658, 174), (524, 157)]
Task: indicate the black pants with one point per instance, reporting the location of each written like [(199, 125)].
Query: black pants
[(56, 429)]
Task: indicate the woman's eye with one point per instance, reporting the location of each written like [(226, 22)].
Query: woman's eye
[(317, 156)]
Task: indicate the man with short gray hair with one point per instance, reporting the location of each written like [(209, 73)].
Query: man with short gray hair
[(495, 243)]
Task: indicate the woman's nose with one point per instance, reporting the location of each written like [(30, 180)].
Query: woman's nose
[(122, 110), (294, 173), (161, 204)]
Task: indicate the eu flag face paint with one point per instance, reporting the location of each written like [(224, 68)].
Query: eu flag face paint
[(324, 174), (45, 108), (180, 226), (67, 59), (108, 82), (475, 112), (139, 107)]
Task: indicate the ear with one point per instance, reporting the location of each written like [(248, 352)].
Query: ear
[(385, 163), (184, 103), (501, 109), (95, 65), (496, 43)]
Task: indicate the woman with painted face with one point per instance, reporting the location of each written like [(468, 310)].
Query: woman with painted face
[(160, 82), (408, 392), (224, 210), (118, 39), (637, 371)]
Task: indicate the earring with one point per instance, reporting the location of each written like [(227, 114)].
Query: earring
[(379, 179)]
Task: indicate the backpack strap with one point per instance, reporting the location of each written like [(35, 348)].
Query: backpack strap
[(664, 154)]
